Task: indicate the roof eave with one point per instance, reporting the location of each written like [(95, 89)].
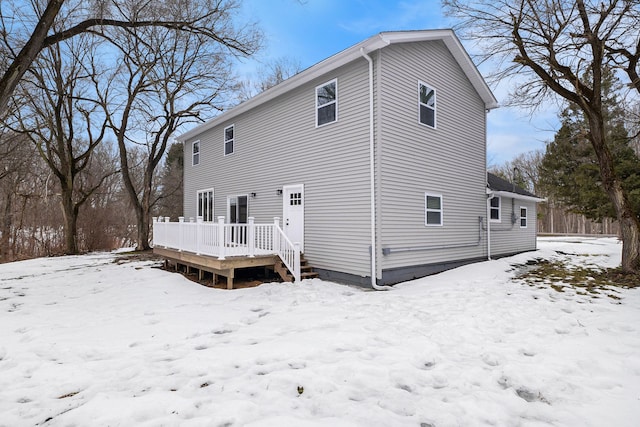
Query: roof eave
[(516, 196)]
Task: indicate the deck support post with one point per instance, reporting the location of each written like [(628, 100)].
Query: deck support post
[(230, 279)]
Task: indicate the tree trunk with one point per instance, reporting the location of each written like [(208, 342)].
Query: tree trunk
[(70, 224), (142, 239), (629, 223), (5, 232)]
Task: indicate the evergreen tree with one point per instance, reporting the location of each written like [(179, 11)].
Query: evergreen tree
[(171, 190), (569, 171)]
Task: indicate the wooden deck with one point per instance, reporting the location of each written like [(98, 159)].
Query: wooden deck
[(225, 267)]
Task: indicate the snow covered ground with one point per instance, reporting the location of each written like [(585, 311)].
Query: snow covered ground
[(88, 342)]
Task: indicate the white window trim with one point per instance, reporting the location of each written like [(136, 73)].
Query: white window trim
[(229, 205), (213, 205), (435, 105), (233, 140), (526, 217), (499, 208), (193, 154), (441, 210), (315, 101)]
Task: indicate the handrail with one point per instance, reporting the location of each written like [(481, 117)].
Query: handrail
[(288, 252)]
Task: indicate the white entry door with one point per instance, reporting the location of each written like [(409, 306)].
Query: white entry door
[(293, 213)]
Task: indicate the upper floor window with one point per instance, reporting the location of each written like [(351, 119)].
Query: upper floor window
[(427, 104), (433, 209), (523, 217), (327, 103), (494, 209), (196, 153), (229, 132)]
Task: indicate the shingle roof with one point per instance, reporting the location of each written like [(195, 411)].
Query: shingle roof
[(499, 184)]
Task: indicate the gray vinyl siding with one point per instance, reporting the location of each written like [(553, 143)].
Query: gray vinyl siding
[(276, 144), (508, 237), (416, 159)]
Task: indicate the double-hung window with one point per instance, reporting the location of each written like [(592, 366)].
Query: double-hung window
[(432, 209), (523, 217), (229, 136), (205, 204), (494, 209), (427, 104), (195, 150), (327, 103)]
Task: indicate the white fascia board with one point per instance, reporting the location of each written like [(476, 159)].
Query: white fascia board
[(350, 54), (516, 196)]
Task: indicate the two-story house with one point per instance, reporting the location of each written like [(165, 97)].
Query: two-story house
[(374, 159)]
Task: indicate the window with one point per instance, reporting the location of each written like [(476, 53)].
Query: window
[(523, 217), (327, 103), (228, 139), (432, 209), (427, 104), (494, 209), (205, 204), (196, 153)]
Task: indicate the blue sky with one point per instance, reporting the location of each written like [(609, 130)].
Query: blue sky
[(309, 31)]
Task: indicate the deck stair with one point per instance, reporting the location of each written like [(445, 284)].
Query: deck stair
[(306, 270)]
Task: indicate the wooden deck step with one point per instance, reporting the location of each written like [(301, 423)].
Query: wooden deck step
[(306, 270)]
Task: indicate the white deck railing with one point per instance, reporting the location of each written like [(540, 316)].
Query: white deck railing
[(221, 240)]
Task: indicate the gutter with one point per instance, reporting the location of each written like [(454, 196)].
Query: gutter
[(372, 180)]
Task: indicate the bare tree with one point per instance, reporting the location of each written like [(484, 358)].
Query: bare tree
[(562, 48), (26, 33), (269, 75), (523, 170), (168, 79), (15, 168), (60, 117)]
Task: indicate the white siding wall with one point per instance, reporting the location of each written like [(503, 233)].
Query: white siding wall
[(508, 238), (278, 144), (448, 160)]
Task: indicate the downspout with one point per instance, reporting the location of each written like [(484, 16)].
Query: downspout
[(490, 193), (374, 246), (489, 196)]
